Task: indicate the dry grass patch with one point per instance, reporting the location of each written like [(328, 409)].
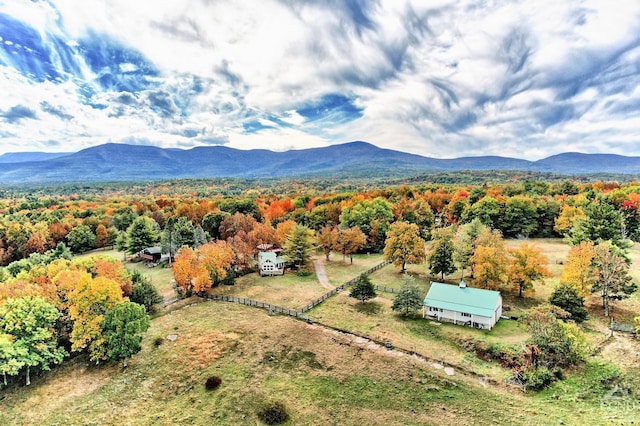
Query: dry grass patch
[(322, 375)]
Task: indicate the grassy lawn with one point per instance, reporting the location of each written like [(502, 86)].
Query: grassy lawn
[(339, 271), (376, 320), (324, 377), (291, 291), (288, 290), (320, 376)]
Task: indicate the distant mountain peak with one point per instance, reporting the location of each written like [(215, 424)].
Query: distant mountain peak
[(123, 162)]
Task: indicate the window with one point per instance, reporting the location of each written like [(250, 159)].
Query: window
[(464, 314)]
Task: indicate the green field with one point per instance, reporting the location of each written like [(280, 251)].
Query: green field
[(325, 377)]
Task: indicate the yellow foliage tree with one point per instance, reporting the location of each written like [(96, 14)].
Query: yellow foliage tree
[(489, 267), (526, 266), (89, 299), (404, 245), (567, 217), (489, 260), (580, 271)]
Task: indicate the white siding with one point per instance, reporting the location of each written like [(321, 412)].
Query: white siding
[(462, 319)]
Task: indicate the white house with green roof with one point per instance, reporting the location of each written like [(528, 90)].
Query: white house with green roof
[(459, 304), (269, 263)]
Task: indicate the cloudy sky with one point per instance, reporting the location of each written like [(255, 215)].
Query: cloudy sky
[(440, 78)]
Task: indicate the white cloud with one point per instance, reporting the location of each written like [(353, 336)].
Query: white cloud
[(445, 79)]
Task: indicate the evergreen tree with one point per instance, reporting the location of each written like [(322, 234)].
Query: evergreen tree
[(602, 222), (362, 289), (441, 253), (121, 241), (61, 251), (141, 234), (520, 217), (408, 299), (200, 237), (144, 293), (184, 232), (567, 298), (211, 223), (168, 240)]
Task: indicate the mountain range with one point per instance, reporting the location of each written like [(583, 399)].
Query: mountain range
[(121, 162)]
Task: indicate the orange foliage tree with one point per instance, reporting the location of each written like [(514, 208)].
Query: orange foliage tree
[(189, 271), (326, 239), (114, 270), (216, 258), (102, 236), (349, 241)]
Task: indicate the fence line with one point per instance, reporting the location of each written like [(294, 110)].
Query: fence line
[(386, 289), (300, 315), (290, 312)]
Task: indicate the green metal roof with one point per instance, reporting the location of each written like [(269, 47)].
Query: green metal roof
[(263, 256), (475, 301)]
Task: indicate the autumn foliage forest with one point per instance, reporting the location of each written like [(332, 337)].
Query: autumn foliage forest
[(213, 238)]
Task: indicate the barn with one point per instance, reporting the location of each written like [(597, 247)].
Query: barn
[(151, 254), (459, 304)]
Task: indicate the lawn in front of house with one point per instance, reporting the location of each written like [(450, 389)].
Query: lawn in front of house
[(288, 290)]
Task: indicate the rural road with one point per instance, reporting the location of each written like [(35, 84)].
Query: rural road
[(321, 273)]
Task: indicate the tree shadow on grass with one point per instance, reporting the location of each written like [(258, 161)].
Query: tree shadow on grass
[(369, 308)]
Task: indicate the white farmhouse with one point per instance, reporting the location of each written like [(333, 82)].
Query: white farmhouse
[(459, 304), (270, 263)]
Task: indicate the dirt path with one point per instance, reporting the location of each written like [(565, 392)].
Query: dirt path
[(321, 273)]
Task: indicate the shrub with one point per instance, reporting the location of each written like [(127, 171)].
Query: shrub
[(273, 413), (144, 293), (303, 273), (537, 378), (213, 382), (158, 340), (567, 298)]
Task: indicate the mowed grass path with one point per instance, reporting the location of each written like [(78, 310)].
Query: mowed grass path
[(294, 292)]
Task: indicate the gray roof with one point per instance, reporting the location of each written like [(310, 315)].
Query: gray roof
[(475, 301)]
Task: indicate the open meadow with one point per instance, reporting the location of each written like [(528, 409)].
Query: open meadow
[(324, 376)]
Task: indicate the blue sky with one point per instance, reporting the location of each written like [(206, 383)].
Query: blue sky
[(524, 79)]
